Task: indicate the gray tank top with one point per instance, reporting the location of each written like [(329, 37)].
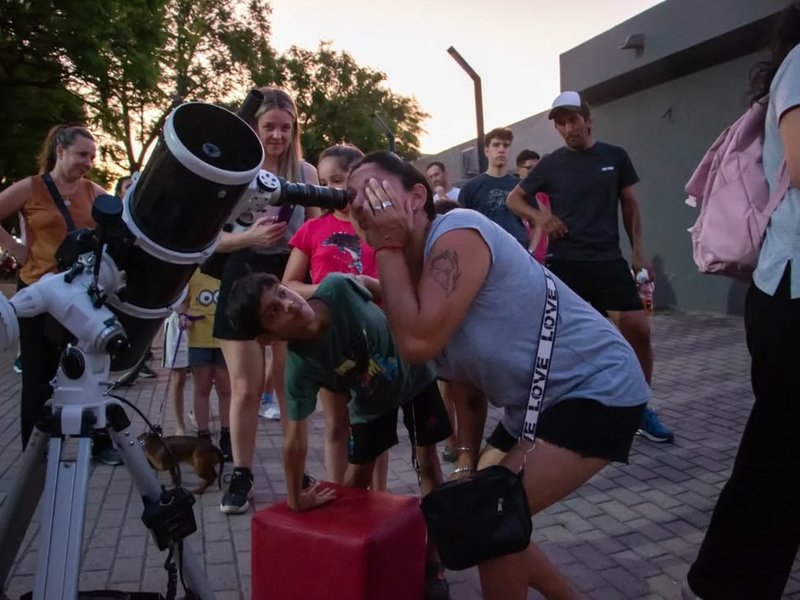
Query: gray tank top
[(495, 346)]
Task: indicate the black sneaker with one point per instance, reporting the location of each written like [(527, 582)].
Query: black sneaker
[(225, 444), (235, 501), (109, 456), (146, 372), (436, 586)]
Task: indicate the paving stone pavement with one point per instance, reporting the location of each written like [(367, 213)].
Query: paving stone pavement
[(631, 532)]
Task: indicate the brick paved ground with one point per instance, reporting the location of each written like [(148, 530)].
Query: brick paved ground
[(629, 533)]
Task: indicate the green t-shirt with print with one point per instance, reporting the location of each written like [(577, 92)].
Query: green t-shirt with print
[(355, 355)]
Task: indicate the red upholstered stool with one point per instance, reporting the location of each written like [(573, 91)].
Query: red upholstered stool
[(362, 546)]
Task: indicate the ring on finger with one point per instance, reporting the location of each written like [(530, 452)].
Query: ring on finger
[(386, 204)]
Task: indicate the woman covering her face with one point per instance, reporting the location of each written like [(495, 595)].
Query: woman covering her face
[(460, 291)]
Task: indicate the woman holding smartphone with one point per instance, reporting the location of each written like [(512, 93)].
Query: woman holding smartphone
[(262, 248)]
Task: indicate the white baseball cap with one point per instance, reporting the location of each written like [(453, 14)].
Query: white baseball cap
[(566, 100)]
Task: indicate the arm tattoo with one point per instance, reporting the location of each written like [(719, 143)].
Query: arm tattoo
[(445, 270)]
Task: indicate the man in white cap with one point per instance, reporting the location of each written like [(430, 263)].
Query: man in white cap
[(587, 181)]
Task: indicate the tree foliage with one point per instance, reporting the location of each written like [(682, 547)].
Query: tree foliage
[(338, 99), (120, 65)]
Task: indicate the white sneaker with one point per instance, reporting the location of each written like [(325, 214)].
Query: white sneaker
[(269, 408)]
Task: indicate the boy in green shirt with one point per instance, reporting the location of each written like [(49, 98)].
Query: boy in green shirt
[(339, 340)]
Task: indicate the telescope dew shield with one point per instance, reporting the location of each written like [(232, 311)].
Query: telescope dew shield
[(192, 183), (195, 177)]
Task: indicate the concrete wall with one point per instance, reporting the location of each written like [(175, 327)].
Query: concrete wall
[(535, 133), (702, 31), (666, 129)]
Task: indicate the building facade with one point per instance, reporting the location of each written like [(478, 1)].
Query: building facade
[(663, 85)]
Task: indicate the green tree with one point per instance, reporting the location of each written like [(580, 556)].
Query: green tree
[(60, 60), (212, 50), (337, 100)]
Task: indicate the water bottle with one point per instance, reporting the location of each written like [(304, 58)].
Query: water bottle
[(645, 286)]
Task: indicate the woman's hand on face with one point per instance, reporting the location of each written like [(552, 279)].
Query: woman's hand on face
[(382, 217), (265, 232)]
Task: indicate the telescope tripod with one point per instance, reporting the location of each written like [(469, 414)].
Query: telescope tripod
[(57, 461)]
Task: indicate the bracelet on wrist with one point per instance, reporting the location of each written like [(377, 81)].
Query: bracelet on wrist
[(463, 470), (461, 449)]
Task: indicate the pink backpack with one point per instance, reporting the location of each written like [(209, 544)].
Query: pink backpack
[(735, 202)]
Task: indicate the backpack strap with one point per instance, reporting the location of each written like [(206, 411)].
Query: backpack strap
[(59, 201)]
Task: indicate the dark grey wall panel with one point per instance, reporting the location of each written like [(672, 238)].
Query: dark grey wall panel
[(666, 129)]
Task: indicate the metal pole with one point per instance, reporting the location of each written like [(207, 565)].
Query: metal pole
[(386, 130), (476, 79)]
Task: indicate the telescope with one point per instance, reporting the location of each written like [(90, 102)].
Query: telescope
[(121, 280)]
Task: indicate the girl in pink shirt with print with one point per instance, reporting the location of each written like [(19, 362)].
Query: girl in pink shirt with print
[(330, 244)]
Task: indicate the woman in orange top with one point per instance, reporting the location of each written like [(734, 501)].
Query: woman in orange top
[(67, 156)]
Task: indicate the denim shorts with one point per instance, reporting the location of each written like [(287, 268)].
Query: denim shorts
[(201, 357)]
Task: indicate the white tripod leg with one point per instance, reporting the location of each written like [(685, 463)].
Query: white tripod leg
[(147, 483), (63, 514), (21, 502)]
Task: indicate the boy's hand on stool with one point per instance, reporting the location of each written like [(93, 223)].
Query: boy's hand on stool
[(314, 497)]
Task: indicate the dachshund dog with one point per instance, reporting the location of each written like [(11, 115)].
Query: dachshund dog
[(199, 452)]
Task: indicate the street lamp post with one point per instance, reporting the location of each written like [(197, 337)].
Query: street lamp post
[(476, 79)]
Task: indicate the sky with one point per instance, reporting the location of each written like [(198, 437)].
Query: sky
[(513, 45)]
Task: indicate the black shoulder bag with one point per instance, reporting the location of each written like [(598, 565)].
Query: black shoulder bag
[(486, 515)]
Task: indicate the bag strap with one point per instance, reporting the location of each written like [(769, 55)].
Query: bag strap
[(541, 367), (59, 201)]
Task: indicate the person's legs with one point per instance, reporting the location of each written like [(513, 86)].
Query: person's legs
[(337, 432), (635, 328), (202, 375), (360, 475), (380, 474), (41, 357), (278, 368), (449, 453), (222, 384), (754, 533), (177, 384), (245, 360), (551, 473)]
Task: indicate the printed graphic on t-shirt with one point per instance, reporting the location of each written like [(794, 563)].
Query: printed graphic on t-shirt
[(350, 248), (363, 366), (496, 199), (206, 298)]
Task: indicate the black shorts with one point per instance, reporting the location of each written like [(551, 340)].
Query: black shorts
[(605, 284), (587, 427), (369, 440), (238, 265)]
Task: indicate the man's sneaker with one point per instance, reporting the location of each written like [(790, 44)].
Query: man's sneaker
[(235, 501), (109, 456), (653, 429), (18, 364), (269, 408), (146, 372), (225, 444), (436, 586)]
